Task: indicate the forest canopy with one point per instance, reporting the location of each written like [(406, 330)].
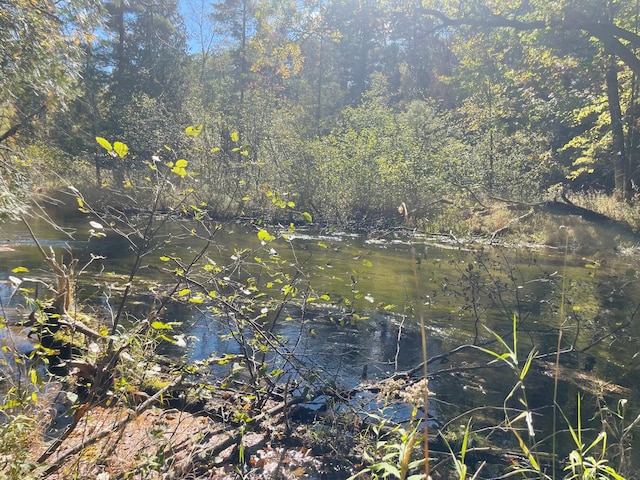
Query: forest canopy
[(349, 108)]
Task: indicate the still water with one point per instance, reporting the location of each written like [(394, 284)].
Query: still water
[(360, 301)]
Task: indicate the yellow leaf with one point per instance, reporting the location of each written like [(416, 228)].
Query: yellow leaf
[(265, 236), (193, 131), (121, 149), (157, 325), (104, 143)]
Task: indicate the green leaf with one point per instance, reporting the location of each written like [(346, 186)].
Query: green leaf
[(235, 136), (184, 291), (367, 263), (322, 245), (182, 163), (527, 364), (121, 149), (165, 259), (193, 131), (104, 143), (307, 216), (20, 270)]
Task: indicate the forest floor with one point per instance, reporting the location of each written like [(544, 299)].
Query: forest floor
[(170, 443)]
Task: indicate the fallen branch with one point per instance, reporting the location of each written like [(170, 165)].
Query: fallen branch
[(500, 231), (231, 438), (99, 435)]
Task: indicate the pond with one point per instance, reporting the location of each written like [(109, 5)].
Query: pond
[(359, 302)]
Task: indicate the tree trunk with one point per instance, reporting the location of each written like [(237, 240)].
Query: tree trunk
[(618, 150)]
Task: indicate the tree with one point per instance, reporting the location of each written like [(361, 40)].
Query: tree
[(40, 57), (235, 21), (578, 23), (148, 49), (146, 62)]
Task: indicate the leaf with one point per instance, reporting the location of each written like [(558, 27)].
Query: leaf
[(20, 270), (167, 338), (235, 136), (179, 171), (527, 364), (184, 292), (367, 263), (322, 245), (158, 325), (164, 259), (307, 216), (121, 149), (104, 143), (96, 225), (182, 163), (193, 131), (526, 450), (265, 236)]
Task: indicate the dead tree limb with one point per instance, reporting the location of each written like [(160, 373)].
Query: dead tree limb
[(99, 435)]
